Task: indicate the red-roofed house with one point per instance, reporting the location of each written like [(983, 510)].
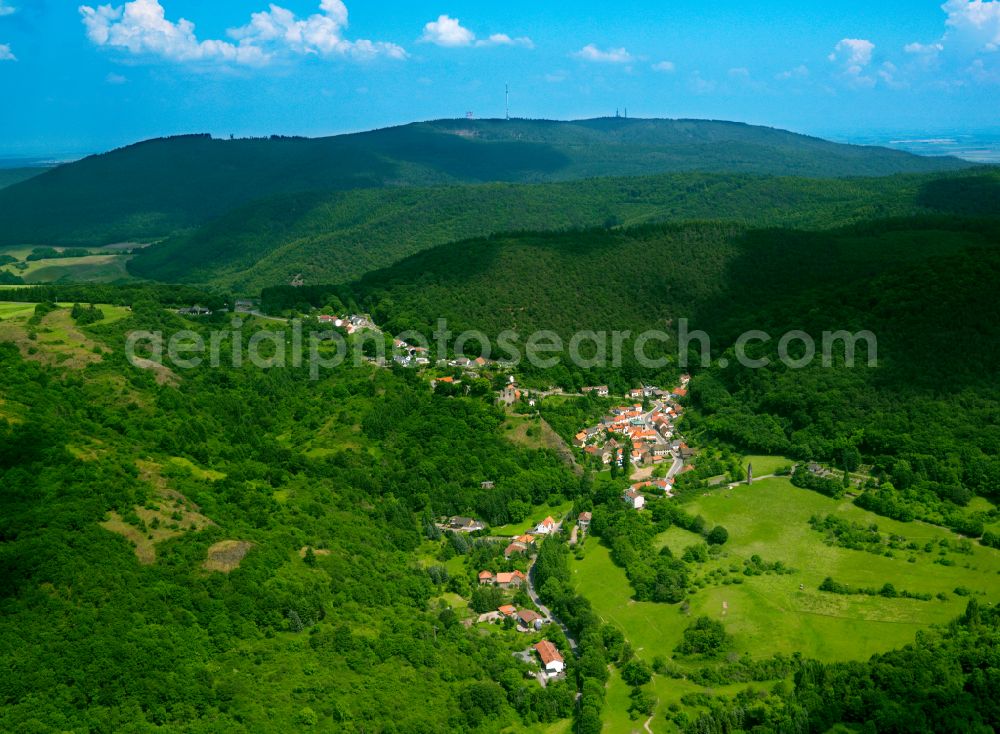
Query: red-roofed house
[(528, 617), (513, 579), (546, 526), (508, 610), (486, 578), (550, 657), (514, 548)]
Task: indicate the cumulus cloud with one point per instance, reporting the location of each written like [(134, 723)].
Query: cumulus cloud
[(591, 52), (854, 55), (450, 33), (664, 66), (6, 54), (853, 52), (447, 31), (969, 45), (6, 9), (141, 28), (972, 25)]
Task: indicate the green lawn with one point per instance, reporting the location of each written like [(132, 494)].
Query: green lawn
[(91, 269), (538, 513), (208, 475), (765, 465), (9, 310), (770, 613)]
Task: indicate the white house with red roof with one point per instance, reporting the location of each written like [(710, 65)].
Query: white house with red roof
[(546, 526), (552, 661)]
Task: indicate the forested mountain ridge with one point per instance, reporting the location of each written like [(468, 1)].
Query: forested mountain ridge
[(340, 236), (158, 187), (923, 286)]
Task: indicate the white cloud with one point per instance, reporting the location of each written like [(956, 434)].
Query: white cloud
[(664, 66), (450, 33), (116, 79), (6, 54), (447, 31), (502, 39), (853, 52), (141, 28), (799, 72), (921, 49), (6, 9), (969, 45), (972, 25), (591, 52), (740, 73), (854, 55), (556, 77), (319, 34)]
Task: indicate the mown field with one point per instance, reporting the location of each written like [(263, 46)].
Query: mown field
[(770, 613)]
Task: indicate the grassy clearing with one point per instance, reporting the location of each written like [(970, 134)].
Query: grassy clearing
[(91, 268), (226, 555), (765, 465), (538, 435), (14, 310), (57, 340), (538, 513), (206, 475), (166, 516), (770, 613)]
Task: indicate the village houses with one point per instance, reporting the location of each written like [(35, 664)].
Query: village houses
[(634, 499)]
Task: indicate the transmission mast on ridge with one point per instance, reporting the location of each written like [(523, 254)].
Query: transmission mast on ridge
[(507, 100)]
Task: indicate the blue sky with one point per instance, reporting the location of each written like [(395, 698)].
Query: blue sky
[(81, 78)]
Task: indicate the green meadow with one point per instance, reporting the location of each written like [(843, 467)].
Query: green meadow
[(537, 514), (766, 465), (771, 614)]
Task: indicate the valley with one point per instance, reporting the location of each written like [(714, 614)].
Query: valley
[(450, 540)]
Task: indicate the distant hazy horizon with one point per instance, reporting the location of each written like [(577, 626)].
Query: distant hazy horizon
[(80, 78), (979, 146)]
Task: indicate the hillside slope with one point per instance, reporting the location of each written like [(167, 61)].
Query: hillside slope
[(340, 236), (11, 176), (158, 187)]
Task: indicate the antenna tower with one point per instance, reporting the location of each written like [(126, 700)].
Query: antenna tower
[(507, 100)]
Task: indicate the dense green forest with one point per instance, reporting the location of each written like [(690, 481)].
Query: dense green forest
[(11, 176), (330, 238), (159, 187), (925, 417), (355, 466), (230, 547)]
